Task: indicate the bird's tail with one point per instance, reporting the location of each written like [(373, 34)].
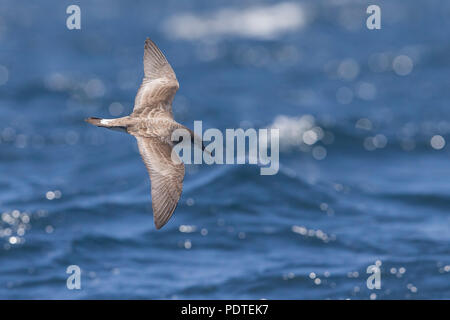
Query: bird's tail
[(94, 121), (113, 124)]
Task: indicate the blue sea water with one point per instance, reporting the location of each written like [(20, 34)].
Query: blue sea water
[(364, 170)]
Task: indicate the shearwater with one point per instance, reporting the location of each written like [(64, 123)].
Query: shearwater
[(152, 123)]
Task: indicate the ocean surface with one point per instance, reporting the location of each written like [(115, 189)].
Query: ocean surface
[(364, 175)]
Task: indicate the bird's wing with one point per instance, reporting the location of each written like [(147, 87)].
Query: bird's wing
[(155, 95), (166, 177)]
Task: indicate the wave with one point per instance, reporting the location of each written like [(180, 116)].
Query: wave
[(260, 22)]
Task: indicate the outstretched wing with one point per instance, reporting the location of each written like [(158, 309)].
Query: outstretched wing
[(166, 177), (155, 95)]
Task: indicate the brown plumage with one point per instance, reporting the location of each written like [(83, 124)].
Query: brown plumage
[(152, 124)]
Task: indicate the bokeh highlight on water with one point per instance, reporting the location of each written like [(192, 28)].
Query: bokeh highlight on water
[(364, 126)]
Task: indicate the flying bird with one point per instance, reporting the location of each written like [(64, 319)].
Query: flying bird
[(152, 123)]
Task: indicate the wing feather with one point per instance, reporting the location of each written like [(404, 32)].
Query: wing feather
[(166, 177), (158, 88)]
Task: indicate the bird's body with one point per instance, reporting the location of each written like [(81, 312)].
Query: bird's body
[(161, 128), (152, 123)]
